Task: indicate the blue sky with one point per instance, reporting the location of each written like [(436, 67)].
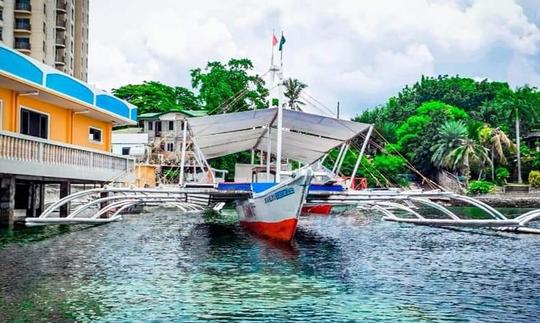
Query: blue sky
[(358, 52)]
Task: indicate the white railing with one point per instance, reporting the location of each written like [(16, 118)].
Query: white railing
[(18, 152)]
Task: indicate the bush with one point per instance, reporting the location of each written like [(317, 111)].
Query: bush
[(534, 178), (481, 187), (501, 175)]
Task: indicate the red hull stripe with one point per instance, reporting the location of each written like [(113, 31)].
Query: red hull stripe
[(318, 209), (282, 231)]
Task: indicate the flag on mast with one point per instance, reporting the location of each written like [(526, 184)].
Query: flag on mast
[(274, 40), (281, 42)]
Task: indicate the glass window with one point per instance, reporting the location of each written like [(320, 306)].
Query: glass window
[(171, 125), (170, 146), (94, 134), (34, 124), (150, 125), (125, 151)]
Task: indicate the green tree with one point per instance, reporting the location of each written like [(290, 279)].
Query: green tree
[(229, 87), (497, 142), (451, 134), (523, 104), (468, 154), (293, 90), (152, 96)]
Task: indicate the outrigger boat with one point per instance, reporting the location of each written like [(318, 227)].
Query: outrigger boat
[(273, 206)]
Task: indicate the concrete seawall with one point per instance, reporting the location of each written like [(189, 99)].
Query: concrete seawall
[(523, 200)]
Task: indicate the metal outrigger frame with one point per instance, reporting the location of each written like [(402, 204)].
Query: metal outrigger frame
[(104, 205), (408, 204), (108, 204)]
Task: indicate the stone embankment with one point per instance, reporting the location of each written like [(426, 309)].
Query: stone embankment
[(519, 200)]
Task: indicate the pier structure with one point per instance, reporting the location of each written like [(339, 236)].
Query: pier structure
[(54, 129)]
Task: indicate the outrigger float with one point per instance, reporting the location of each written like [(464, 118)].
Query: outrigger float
[(272, 207)]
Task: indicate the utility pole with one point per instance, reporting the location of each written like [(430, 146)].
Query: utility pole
[(337, 110)]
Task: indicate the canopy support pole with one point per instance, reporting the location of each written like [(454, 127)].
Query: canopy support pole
[(279, 132), (268, 152), (252, 156), (338, 158), (183, 158), (342, 158), (361, 155)]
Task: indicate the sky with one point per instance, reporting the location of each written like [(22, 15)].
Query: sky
[(357, 52)]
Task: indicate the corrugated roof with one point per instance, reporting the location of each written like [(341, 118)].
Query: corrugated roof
[(156, 115)]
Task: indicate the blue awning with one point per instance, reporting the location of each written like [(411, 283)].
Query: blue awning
[(24, 68)]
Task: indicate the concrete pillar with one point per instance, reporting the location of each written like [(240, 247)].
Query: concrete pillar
[(41, 203), (7, 201), (65, 190), (104, 204), (36, 199), (31, 205)]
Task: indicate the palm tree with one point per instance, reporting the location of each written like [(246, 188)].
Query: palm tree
[(496, 141), (468, 153), (451, 134), (523, 104), (293, 90)]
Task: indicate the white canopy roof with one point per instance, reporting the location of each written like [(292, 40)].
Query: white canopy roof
[(306, 137)]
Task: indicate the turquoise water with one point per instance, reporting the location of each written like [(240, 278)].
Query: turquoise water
[(165, 266)]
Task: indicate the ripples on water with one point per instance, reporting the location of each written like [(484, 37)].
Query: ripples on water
[(172, 267)]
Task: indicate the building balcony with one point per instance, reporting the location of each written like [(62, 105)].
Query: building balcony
[(59, 61), (23, 7), (23, 47), (60, 42), (61, 7), (60, 24), (22, 27), (31, 156)]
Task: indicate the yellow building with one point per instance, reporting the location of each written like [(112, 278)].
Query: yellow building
[(54, 129)]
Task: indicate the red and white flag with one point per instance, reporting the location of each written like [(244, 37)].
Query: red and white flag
[(274, 40)]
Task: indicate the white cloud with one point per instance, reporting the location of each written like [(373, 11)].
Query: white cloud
[(356, 51)]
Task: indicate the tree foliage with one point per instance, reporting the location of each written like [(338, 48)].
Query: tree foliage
[(293, 90), (152, 96), (229, 87), (414, 119)]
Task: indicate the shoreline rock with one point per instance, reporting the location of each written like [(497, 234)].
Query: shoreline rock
[(523, 200)]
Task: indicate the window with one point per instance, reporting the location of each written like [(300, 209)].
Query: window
[(170, 146), (94, 134), (34, 123), (125, 151), (171, 125), (1, 37), (150, 125), (1, 14)]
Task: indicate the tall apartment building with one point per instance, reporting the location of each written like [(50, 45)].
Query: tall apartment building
[(54, 32)]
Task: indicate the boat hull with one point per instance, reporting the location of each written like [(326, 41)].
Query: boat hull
[(274, 212), (320, 209)]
